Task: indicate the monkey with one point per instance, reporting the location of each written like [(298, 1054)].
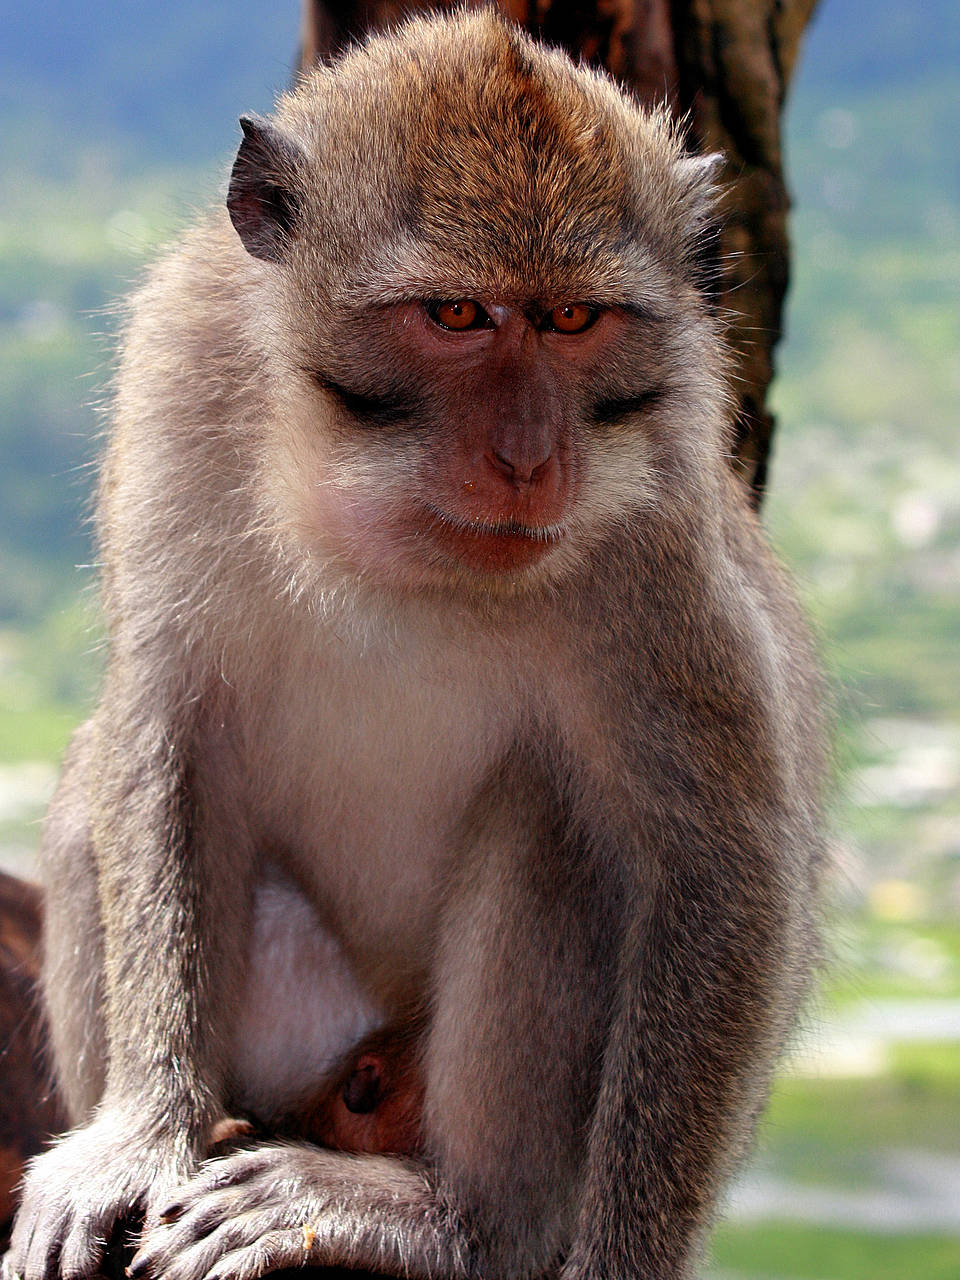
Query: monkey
[(452, 682)]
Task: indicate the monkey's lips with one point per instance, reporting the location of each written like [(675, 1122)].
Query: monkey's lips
[(491, 546)]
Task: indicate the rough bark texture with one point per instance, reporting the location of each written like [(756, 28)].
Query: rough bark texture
[(724, 65)]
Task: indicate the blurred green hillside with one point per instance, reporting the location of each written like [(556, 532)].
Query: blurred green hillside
[(119, 121)]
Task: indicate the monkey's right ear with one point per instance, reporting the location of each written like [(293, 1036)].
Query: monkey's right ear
[(261, 199)]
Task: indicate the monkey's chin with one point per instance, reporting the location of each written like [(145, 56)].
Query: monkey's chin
[(494, 547)]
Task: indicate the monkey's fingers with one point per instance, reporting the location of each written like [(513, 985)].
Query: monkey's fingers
[(232, 1201), (256, 1221), (273, 1251), (75, 1194), (225, 1171), (193, 1253), (57, 1237), (62, 1242)]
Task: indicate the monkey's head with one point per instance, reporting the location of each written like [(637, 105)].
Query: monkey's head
[(474, 273)]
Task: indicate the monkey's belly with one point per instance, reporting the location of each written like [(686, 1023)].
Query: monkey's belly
[(302, 1007)]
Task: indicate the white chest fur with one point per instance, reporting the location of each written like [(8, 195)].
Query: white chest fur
[(303, 1007)]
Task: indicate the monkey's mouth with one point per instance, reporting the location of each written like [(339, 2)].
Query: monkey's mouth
[(492, 546)]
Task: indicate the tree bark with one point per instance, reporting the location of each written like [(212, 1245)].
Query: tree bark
[(724, 67)]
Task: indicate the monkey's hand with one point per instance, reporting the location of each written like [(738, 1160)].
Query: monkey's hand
[(290, 1206), (76, 1193)]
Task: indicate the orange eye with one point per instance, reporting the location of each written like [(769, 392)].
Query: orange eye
[(461, 313), (572, 318)]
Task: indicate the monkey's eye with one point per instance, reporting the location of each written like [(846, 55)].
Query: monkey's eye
[(458, 314), (573, 317)]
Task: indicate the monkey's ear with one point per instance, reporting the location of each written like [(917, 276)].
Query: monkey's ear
[(699, 176), (261, 199)]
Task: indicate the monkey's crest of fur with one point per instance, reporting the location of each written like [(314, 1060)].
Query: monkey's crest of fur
[(502, 152)]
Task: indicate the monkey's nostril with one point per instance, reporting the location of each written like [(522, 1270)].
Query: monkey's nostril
[(502, 463)]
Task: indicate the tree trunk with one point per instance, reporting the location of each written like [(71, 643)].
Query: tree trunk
[(724, 66)]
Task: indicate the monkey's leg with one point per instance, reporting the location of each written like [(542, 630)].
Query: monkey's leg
[(173, 868), (712, 969), (510, 1070)]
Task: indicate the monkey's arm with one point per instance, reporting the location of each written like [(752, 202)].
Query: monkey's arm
[(509, 1066), (155, 838)]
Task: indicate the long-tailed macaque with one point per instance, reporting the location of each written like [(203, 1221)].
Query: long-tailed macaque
[(451, 684)]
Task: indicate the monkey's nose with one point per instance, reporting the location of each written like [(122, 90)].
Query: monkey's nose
[(520, 470)]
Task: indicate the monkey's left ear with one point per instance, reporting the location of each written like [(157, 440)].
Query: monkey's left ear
[(261, 198), (699, 176)]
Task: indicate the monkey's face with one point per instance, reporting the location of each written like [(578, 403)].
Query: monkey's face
[(483, 311), (476, 419), (475, 439), (479, 394)]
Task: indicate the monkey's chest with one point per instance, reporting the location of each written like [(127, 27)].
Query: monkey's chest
[(368, 771), (375, 797)]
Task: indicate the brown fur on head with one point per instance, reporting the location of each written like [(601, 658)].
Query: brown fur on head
[(492, 155)]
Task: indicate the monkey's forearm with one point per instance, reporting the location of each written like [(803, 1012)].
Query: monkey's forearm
[(160, 835)]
